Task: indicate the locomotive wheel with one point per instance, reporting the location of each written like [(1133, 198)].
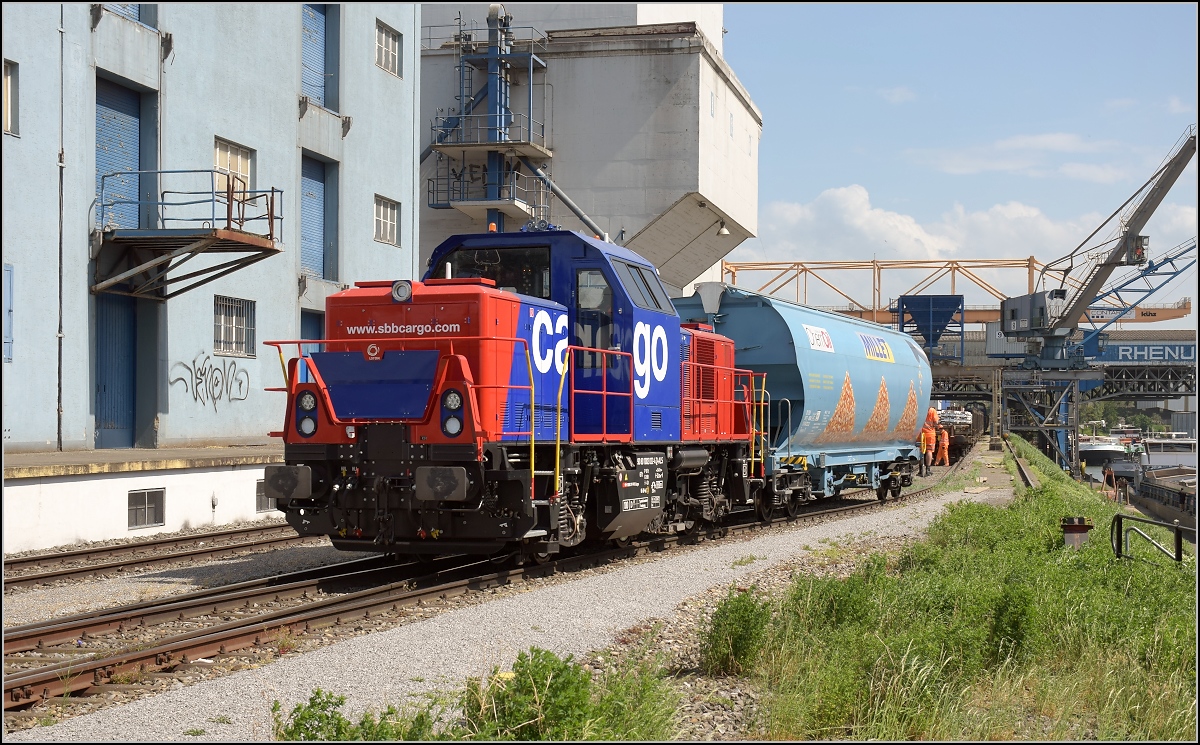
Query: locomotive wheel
[(766, 507), (540, 559)]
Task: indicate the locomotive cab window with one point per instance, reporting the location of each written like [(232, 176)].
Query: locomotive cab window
[(593, 317), (525, 271), (643, 287)]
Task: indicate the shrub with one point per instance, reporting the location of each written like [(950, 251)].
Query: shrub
[(734, 637), (545, 697)]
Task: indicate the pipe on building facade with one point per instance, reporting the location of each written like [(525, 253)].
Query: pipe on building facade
[(591, 224), (62, 166)]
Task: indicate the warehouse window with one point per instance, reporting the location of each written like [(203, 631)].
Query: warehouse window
[(731, 125), (233, 326), (230, 160), (11, 98), (712, 103), (389, 43), (387, 221), (8, 312), (146, 508), (262, 503)]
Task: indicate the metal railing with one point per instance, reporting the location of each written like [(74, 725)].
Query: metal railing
[(469, 183), (483, 129), (195, 199), (1119, 535)]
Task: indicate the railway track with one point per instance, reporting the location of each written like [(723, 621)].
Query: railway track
[(85, 654), (84, 563)]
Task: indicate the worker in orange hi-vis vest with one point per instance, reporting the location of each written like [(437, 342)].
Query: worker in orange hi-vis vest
[(927, 442), (943, 448)]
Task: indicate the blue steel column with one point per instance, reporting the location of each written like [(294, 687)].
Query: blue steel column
[(497, 95)]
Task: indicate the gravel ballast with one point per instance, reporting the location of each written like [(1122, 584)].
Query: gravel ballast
[(574, 616)]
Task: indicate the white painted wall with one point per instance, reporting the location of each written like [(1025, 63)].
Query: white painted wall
[(99, 506)]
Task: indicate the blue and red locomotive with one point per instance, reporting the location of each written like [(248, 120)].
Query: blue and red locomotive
[(538, 389)]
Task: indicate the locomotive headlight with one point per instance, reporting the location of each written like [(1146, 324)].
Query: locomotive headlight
[(308, 401), (402, 291), (452, 426), (452, 400), (307, 426)]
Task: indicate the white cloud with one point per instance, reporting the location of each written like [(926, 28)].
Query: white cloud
[(1176, 106), (1056, 142), (842, 224), (1120, 103), (1028, 155), (898, 95), (1100, 174)]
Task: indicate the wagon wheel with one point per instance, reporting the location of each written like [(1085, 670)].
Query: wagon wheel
[(894, 488), (792, 506), (882, 492)]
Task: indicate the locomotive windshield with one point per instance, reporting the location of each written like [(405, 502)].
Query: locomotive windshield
[(643, 287), (525, 271)]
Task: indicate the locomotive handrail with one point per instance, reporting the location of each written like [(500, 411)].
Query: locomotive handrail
[(279, 344), (603, 393), (692, 383)]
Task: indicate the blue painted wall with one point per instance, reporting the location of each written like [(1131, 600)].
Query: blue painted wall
[(240, 67)]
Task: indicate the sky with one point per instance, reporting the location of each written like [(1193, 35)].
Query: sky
[(963, 132)]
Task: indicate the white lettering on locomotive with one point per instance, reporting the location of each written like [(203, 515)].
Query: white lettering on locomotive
[(543, 351), (650, 356)]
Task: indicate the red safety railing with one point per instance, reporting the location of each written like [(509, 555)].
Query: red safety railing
[(573, 396)]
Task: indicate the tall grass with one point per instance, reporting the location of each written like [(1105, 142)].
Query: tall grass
[(990, 629)]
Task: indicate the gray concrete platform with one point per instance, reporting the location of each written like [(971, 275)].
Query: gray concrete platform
[(127, 460)]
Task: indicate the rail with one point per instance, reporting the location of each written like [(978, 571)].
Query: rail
[(706, 389), (1120, 543), (484, 129), (402, 344), (227, 202), (604, 393), (760, 421)]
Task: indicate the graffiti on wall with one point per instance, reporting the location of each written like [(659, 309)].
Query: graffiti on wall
[(212, 381)]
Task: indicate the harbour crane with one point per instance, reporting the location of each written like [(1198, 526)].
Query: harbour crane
[(1047, 318)]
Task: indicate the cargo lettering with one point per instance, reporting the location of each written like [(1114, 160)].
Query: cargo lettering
[(876, 348), (649, 356), (417, 329), (543, 352)]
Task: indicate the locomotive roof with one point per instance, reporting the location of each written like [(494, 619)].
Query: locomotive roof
[(554, 239)]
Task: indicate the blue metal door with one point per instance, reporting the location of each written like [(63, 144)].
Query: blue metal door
[(118, 148), (312, 326), (116, 351), (312, 77), (312, 216)]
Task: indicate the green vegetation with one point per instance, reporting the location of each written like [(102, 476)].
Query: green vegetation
[(990, 629), (745, 560), (1116, 415), (194, 732), (544, 697), (731, 643)]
